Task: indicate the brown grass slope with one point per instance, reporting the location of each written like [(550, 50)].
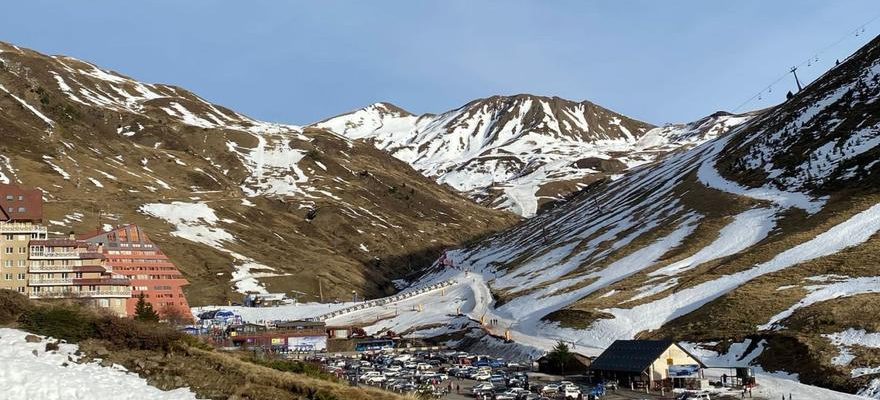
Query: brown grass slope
[(363, 195)]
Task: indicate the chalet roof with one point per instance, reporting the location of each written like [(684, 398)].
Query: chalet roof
[(633, 355), (20, 204), (299, 324)]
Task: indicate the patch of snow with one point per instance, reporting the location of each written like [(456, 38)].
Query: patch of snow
[(819, 293), (29, 372)]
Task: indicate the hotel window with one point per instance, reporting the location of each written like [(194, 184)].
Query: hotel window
[(9, 250), (10, 197), (7, 263), (22, 263), (21, 277), (20, 198), (9, 236), (22, 250), (21, 289), (21, 209), (8, 277)]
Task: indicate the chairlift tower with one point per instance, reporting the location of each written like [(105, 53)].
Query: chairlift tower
[(794, 72)]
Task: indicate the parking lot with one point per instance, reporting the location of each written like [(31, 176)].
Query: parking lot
[(459, 375)]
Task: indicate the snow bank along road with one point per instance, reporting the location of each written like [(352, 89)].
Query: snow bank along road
[(29, 372)]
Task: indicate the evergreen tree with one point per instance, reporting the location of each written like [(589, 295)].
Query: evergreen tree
[(561, 355), (143, 311)]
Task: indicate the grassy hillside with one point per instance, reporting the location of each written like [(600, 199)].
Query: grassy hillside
[(233, 193)]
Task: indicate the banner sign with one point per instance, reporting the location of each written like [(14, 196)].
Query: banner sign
[(307, 343), (684, 371)]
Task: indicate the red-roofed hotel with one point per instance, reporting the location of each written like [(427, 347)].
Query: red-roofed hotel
[(129, 252)]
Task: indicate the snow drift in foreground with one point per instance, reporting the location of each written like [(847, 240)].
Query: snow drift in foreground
[(29, 372)]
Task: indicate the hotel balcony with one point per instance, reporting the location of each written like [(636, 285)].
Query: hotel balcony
[(54, 255), (38, 281), (34, 268), (76, 294), (17, 227)]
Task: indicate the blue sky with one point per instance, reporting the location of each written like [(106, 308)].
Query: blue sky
[(298, 62)]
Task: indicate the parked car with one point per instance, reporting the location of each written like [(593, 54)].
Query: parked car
[(507, 396), (550, 389), (482, 376)]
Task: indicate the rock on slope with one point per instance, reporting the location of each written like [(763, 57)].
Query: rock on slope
[(760, 247), (521, 152), (225, 195)]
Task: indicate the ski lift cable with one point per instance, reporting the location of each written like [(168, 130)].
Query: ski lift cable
[(815, 56)]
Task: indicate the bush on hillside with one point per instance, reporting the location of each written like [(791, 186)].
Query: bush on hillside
[(12, 305), (136, 335), (64, 321), (75, 323)]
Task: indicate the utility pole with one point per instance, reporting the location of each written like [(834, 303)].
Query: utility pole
[(794, 72), (320, 290)]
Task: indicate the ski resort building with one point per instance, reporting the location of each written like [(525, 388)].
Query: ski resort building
[(648, 362), (130, 252), (74, 269), (21, 216)]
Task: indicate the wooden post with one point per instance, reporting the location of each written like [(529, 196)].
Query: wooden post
[(320, 290)]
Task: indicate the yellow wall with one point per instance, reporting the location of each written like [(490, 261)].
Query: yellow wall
[(677, 356), (14, 265)]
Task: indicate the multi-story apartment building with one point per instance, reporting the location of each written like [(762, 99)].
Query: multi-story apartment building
[(74, 269), (130, 252), (106, 269), (21, 214)]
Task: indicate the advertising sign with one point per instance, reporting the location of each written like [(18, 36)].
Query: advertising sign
[(307, 343), (684, 371)]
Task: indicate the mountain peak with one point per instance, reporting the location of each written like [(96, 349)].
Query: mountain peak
[(515, 152)]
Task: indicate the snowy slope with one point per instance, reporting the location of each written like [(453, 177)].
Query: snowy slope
[(519, 152), (766, 231), (29, 372)]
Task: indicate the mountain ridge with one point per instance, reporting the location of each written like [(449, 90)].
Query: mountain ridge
[(521, 152), (227, 197)]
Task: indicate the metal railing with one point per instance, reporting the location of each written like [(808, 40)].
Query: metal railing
[(72, 294), (50, 281), (53, 268), (54, 254), (385, 300), (17, 227)]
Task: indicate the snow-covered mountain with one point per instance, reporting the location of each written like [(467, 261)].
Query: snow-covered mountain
[(226, 196), (521, 152), (757, 247)]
